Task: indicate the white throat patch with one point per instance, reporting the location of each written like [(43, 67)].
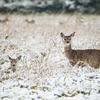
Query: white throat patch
[(66, 45)]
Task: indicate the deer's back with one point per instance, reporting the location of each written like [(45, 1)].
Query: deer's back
[(87, 53)]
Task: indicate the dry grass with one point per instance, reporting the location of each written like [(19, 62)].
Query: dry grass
[(16, 34), (36, 40)]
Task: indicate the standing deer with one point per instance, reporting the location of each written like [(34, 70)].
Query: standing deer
[(90, 56), (13, 63)]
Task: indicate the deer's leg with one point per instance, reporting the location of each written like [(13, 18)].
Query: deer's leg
[(73, 63)]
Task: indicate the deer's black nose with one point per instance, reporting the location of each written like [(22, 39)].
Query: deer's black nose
[(67, 41), (13, 65)]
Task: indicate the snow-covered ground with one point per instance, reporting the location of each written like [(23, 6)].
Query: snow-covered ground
[(43, 73)]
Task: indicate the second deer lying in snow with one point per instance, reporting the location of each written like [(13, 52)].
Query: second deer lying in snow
[(90, 56), (13, 63)]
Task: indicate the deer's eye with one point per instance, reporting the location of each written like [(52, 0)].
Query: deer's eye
[(69, 39), (65, 39)]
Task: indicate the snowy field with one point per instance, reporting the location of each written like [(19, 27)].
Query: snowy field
[(43, 73)]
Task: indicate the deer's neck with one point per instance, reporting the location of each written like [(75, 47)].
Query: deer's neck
[(68, 52), (67, 48)]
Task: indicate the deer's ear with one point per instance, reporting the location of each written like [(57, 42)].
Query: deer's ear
[(62, 35), (72, 35), (9, 58), (18, 58)]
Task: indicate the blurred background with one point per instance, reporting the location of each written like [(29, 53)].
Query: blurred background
[(50, 6)]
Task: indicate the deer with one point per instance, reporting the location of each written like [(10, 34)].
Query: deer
[(4, 20), (87, 56), (13, 62), (30, 21)]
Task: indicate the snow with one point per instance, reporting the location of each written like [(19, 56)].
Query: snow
[(43, 73)]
